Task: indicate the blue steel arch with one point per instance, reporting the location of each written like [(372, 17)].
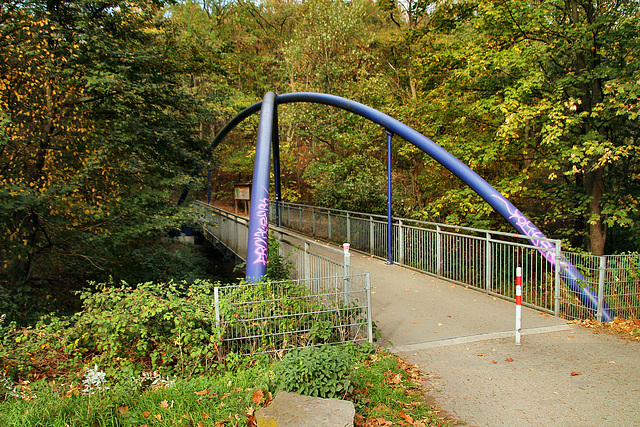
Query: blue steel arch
[(258, 226)]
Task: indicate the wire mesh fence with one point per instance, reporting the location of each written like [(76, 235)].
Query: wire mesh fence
[(273, 317), (327, 300)]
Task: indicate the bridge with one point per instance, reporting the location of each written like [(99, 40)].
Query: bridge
[(401, 279), (444, 320), (268, 139)]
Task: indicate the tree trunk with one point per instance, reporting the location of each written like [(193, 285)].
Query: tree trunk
[(594, 186)]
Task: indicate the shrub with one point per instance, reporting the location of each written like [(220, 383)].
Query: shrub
[(170, 328), (316, 371)]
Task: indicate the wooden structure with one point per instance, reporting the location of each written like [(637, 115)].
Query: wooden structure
[(242, 196)]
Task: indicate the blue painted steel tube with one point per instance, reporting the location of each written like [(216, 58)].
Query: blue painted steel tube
[(276, 162), (259, 215), (389, 202), (568, 272), (209, 183)]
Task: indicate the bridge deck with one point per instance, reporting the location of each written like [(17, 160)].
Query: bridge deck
[(464, 343)]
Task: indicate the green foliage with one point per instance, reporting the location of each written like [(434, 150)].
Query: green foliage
[(528, 94), (316, 371), (279, 267), (97, 131), (169, 328), (355, 183)]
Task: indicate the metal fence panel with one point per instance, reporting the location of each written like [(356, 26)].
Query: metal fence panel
[(273, 317)]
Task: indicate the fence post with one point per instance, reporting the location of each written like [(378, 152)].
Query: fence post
[(487, 264), (348, 227), (347, 273), (216, 305), (438, 251), (300, 216), (556, 265), (601, 277), (329, 225), (518, 303), (401, 241), (307, 262), (372, 237), (235, 243), (313, 220), (369, 314)]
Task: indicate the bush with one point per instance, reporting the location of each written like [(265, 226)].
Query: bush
[(316, 371), (170, 328)]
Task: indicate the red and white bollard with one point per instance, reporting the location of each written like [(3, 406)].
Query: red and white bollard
[(518, 303)]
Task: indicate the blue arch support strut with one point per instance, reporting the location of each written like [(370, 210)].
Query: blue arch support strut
[(256, 256)]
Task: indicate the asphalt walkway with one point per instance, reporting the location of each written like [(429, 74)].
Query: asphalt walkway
[(464, 343)]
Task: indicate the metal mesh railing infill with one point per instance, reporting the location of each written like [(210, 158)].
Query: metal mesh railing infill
[(275, 316), (482, 259)]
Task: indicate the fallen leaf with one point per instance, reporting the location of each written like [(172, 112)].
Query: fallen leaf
[(508, 359), (481, 354), (202, 392), (158, 417), (146, 413), (199, 425), (574, 373), (494, 361), (407, 418), (205, 416), (121, 410), (258, 397)]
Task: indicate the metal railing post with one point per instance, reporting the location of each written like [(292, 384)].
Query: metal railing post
[(438, 251), (557, 266), (400, 242), (348, 228), (487, 264), (347, 276), (601, 277), (313, 220), (369, 314), (216, 305), (300, 216), (372, 237), (307, 262), (329, 225)]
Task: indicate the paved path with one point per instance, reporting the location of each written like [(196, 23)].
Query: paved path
[(463, 341)]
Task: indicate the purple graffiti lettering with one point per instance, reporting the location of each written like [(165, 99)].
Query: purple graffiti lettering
[(528, 229), (261, 235), (261, 253)]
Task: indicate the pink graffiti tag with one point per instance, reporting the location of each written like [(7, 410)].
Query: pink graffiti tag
[(528, 229), (261, 235)]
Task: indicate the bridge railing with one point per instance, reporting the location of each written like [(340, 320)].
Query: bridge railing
[(326, 301), (481, 259)]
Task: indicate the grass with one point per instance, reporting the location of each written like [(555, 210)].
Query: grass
[(385, 391)]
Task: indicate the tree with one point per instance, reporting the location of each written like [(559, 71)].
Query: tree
[(549, 90), (97, 130)]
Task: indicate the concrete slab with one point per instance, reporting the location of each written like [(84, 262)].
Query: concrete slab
[(295, 410)]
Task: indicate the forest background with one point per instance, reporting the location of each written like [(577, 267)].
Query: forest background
[(106, 109)]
